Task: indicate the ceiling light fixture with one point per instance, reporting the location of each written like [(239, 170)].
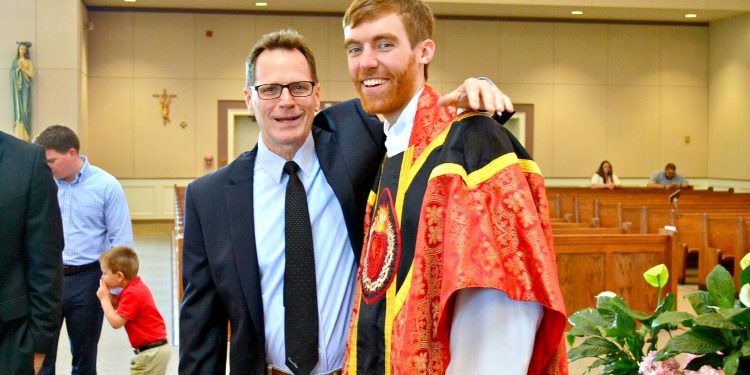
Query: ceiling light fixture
[(260, 4), (576, 12), (129, 1), (691, 15)]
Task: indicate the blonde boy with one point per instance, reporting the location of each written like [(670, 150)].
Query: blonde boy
[(134, 308)]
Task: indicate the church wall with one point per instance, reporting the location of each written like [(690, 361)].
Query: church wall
[(628, 93), (729, 103)]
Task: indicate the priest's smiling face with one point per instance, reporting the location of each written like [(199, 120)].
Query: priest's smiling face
[(286, 121)]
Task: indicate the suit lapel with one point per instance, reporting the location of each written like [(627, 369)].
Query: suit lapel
[(333, 166), (238, 195)]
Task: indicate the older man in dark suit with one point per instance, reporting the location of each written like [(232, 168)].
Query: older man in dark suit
[(31, 244)]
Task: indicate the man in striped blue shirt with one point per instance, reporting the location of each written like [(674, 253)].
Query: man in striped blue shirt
[(95, 218)]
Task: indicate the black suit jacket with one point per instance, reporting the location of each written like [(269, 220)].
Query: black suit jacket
[(31, 245), (219, 260)]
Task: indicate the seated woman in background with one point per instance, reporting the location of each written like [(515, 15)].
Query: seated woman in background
[(605, 178)]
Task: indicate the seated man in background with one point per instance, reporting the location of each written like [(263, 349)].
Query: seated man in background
[(669, 179)]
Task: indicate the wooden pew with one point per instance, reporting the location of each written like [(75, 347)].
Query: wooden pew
[(592, 263), (579, 202), (177, 232), (577, 230), (723, 241)]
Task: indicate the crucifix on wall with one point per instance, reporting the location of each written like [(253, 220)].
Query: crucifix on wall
[(165, 100)]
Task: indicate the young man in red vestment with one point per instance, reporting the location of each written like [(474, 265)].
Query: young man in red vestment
[(457, 273)]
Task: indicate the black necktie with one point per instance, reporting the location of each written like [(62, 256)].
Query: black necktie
[(300, 296)]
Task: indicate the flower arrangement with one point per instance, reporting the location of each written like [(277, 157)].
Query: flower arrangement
[(625, 341)]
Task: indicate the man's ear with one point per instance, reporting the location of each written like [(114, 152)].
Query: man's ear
[(426, 51), (248, 93)]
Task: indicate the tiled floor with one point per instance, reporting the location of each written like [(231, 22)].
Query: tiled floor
[(154, 247)]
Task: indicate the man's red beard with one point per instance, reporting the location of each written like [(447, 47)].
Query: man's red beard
[(401, 88)]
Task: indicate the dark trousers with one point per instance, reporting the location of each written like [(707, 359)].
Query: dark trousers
[(82, 315), (16, 347)]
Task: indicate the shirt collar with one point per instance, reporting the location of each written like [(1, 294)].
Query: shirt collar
[(397, 134), (273, 165), (81, 173)]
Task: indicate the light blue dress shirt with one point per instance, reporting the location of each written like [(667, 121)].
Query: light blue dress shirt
[(661, 178), (335, 267), (94, 213)]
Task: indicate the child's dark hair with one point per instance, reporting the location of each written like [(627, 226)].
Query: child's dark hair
[(121, 259)]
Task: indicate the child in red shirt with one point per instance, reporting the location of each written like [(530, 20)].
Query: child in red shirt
[(135, 309)]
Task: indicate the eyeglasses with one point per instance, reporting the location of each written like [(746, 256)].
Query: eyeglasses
[(273, 90)]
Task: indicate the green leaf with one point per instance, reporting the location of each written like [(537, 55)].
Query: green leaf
[(670, 317), (669, 304), (695, 342), (745, 276), (715, 320), (623, 325), (731, 363), (589, 319), (745, 348), (739, 316), (592, 347), (598, 363), (721, 287), (657, 276), (579, 331), (700, 302), (617, 303)]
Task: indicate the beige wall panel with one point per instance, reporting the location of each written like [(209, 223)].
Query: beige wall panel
[(315, 31), (222, 55), (580, 53), (542, 97), (471, 49), (6, 108), (729, 4), (83, 39), (207, 95), (729, 102), (633, 55), (57, 24), (682, 4), (110, 144), (684, 60), (56, 92), (337, 91), (266, 24), (166, 151), (337, 67), (527, 52), (111, 44), (83, 109), (578, 134), (164, 45), (142, 200), (632, 129), (684, 112), (17, 22), (624, 3), (435, 70)]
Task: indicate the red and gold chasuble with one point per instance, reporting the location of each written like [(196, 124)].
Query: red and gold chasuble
[(463, 207)]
